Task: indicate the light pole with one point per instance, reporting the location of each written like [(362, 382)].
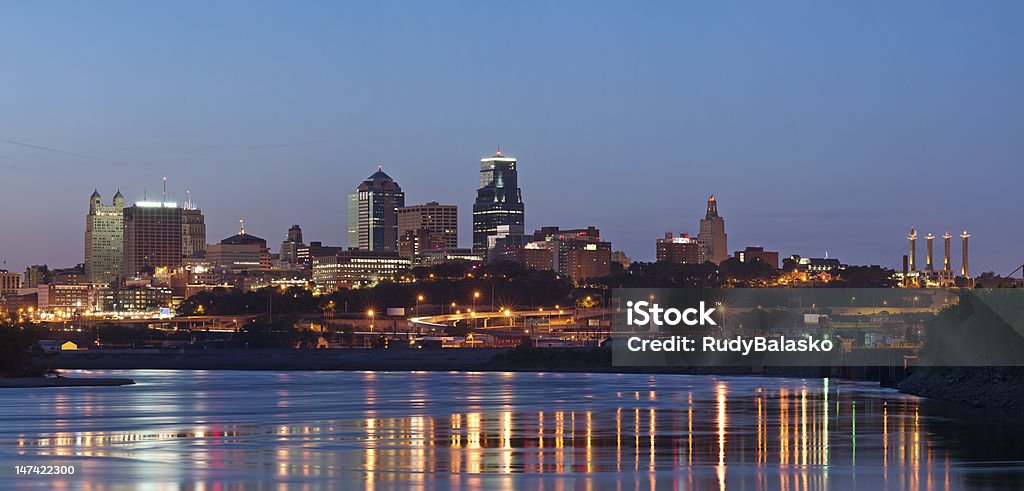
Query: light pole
[(419, 298), (369, 313), (476, 296)]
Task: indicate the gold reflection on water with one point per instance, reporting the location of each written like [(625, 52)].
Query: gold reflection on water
[(776, 437), (722, 415)]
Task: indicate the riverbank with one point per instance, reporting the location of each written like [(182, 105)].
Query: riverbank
[(36, 382), (980, 387), (988, 387), (591, 360), (278, 359)]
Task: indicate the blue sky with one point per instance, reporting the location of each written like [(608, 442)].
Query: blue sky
[(820, 126)]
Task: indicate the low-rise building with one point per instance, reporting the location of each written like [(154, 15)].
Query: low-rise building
[(752, 254), (135, 298), (66, 298), (434, 257), (356, 268)]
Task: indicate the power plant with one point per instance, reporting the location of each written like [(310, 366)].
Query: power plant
[(929, 276)]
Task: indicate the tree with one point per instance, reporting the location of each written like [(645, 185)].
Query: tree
[(15, 356)]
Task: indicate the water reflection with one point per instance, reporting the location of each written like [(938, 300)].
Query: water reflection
[(233, 430)]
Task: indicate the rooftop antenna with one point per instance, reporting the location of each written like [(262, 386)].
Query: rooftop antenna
[(241, 223), (165, 189)]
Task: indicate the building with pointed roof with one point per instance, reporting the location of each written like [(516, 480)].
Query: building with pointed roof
[(712, 234), (373, 213)]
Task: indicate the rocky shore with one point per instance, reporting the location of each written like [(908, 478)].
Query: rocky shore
[(988, 387)]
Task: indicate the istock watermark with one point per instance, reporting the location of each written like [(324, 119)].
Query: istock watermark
[(827, 327)]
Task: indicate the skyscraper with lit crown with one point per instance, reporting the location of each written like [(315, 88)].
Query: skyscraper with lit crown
[(712, 233), (499, 201), (152, 237)]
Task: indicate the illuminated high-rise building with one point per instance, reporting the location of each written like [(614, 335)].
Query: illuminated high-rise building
[(152, 237), (373, 213), (499, 201), (104, 239), (712, 234)]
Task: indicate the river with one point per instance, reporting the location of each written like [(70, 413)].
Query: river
[(224, 430)]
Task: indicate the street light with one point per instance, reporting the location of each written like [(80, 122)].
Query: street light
[(369, 313), (419, 298), (476, 296)]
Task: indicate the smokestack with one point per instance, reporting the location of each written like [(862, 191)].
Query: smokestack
[(945, 258), (965, 271), (906, 280), (930, 265), (912, 237)]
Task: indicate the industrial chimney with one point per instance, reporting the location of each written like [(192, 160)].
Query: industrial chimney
[(945, 258), (912, 237), (965, 270), (930, 265)]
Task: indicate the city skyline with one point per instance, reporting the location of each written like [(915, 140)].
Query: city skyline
[(344, 242), (840, 145)]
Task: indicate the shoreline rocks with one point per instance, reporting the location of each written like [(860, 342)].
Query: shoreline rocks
[(986, 387)]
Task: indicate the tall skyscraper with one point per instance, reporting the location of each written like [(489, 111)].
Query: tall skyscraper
[(442, 221), (152, 237), (104, 239), (373, 213), (712, 233), (499, 201)]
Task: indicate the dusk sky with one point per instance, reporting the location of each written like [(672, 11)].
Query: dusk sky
[(819, 126)]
